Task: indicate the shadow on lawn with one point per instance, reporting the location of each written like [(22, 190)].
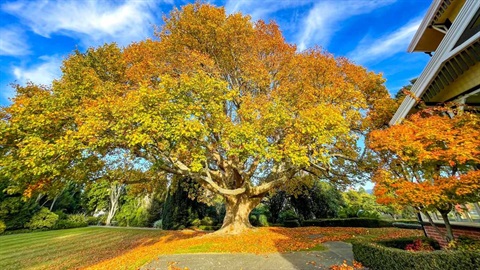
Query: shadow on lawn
[(141, 250), (315, 247)]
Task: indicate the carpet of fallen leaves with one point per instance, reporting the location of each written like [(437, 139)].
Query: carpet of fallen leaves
[(258, 241)]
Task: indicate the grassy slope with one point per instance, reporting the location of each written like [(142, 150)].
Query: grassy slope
[(70, 248)]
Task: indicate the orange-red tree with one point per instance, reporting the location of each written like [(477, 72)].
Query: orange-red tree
[(430, 161), (218, 98)]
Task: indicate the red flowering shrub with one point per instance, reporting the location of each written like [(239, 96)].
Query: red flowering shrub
[(419, 245)]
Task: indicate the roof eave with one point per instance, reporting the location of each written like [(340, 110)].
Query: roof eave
[(426, 22)]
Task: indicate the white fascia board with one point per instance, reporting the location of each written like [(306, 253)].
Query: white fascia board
[(427, 20), (443, 52)]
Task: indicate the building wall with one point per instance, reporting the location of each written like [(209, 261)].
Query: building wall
[(471, 232)]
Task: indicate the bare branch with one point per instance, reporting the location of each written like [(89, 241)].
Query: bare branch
[(345, 157)]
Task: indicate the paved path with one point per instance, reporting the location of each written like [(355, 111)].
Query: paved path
[(336, 253)]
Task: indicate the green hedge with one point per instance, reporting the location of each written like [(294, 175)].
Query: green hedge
[(292, 223), (348, 222), (377, 256), (401, 243)]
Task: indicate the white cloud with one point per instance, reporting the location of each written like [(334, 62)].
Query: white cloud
[(43, 73), (93, 22), (324, 19), (12, 42), (386, 46), (261, 9)]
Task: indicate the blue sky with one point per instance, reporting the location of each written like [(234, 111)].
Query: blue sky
[(35, 36)]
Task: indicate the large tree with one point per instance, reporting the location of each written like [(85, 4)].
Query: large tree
[(430, 162), (217, 98)]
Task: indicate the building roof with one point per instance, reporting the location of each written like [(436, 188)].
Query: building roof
[(438, 19), (454, 57)]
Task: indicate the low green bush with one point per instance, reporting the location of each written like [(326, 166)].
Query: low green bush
[(91, 220), (401, 243), (259, 220), (208, 228), (2, 226), (466, 244), (196, 222), (378, 256), (72, 221), (42, 219), (61, 214), (348, 222), (68, 224), (208, 221), (262, 220)]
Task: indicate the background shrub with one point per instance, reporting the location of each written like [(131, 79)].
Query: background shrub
[(196, 222), (2, 226), (377, 256), (16, 212), (260, 215), (42, 219), (208, 221), (467, 244), (72, 221), (262, 220), (288, 214), (91, 220), (158, 224)]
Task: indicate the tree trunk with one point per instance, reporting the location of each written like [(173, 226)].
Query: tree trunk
[(237, 214), (449, 237), (53, 203), (111, 214), (115, 193)]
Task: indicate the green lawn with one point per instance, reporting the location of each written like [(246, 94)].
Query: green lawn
[(72, 248)]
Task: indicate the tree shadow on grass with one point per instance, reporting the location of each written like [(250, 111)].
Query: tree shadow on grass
[(142, 250), (315, 247)]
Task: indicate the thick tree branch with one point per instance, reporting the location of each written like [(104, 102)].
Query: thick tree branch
[(206, 179), (215, 186), (264, 188)]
